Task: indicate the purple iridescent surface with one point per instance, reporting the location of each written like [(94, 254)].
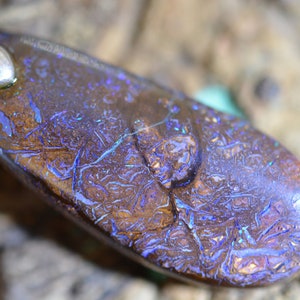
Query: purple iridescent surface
[(195, 192)]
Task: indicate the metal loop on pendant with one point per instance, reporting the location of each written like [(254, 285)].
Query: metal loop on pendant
[(7, 69)]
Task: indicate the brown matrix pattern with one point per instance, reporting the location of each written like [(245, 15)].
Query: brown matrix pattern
[(163, 178)]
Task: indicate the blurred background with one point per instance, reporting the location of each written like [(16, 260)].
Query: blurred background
[(246, 53)]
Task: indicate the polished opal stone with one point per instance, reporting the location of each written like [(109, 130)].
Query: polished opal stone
[(174, 184)]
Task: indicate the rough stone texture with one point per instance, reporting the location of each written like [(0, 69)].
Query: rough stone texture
[(185, 47), (185, 187)]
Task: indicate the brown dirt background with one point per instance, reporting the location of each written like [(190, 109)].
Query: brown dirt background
[(252, 47)]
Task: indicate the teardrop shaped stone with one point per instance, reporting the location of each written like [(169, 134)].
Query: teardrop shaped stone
[(176, 185)]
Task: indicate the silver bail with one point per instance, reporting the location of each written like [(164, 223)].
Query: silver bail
[(7, 69)]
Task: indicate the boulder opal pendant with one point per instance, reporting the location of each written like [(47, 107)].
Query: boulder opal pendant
[(170, 182)]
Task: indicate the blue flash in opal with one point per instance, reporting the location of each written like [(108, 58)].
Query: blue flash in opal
[(172, 183)]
